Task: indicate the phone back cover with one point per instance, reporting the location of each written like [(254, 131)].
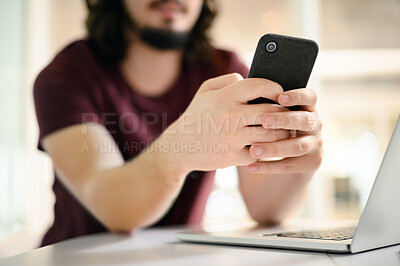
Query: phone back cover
[(290, 65)]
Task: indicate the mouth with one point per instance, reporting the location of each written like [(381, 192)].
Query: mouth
[(169, 9)]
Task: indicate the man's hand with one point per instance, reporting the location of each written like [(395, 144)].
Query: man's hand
[(303, 151), (218, 127)]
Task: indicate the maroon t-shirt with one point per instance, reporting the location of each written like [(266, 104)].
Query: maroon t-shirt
[(76, 87)]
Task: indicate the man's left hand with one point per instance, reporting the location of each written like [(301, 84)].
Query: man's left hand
[(303, 151)]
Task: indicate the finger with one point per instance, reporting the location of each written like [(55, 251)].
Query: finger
[(258, 134), (294, 147), (303, 97), (244, 157), (287, 166), (292, 120), (221, 81), (253, 114), (252, 88)]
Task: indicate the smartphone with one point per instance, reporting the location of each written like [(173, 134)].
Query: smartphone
[(285, 60)]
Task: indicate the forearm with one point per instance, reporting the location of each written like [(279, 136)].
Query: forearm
[(124, 196), (136, 194), (270, 198)]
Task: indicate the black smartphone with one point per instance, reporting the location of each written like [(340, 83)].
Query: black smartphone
[(285, 60)]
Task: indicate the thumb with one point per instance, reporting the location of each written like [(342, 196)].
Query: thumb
[(221, 82)]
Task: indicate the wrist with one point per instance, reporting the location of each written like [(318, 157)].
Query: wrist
[(165, 151)]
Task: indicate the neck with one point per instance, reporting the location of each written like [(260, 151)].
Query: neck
[(149, 71)]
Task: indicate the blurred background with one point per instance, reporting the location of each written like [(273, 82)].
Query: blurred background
[(357, 77)]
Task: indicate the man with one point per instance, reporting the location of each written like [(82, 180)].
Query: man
[(137, 118)]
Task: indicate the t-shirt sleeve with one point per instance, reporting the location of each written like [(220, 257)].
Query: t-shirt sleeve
[(62, 99), (237, 66)]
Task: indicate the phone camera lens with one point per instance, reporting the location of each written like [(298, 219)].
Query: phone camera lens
[(271, 47)]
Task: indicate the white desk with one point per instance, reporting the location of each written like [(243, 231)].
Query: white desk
[(159, 247)]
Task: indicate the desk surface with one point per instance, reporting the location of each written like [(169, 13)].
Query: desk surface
[(159, 247)]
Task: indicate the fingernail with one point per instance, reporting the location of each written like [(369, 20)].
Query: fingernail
[(270, 120), (285, 99), (253, 168), (257, 151)]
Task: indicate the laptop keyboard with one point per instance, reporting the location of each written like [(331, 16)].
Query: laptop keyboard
[(337, 234)]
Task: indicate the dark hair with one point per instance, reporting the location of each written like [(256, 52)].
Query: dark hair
[(107, 21)]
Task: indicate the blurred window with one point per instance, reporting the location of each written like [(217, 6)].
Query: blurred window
[(12, 75)]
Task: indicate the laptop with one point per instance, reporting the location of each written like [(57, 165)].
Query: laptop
[(378, 226)]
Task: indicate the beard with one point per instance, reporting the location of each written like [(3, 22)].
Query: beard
[(164, 39)]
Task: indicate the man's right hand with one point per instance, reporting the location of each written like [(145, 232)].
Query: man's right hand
[(218, 124), (128, 195)]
